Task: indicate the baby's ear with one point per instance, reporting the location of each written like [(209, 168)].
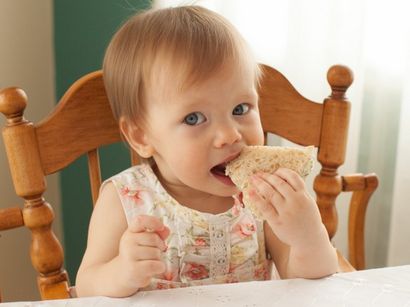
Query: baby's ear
[(136, 138)]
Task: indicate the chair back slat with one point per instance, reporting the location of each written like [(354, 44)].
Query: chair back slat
[(285, 112), (86, 105), (135, 158), (94, 171)]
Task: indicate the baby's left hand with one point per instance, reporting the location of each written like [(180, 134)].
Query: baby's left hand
[(288, 208)]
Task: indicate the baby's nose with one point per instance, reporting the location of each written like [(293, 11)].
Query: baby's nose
[(227, 134)]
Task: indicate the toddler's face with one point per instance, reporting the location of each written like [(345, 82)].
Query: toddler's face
[(195, 132)]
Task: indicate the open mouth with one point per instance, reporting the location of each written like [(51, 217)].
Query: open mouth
[(219, 172), (219, 169)]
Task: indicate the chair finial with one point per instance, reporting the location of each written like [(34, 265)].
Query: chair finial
[(13, 101), (340, 77)]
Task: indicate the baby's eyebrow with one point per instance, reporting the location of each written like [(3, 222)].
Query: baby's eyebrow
[(193, 103), (197, 102), (250, 95)]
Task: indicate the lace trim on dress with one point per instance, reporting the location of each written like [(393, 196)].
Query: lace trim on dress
[(220, 247)]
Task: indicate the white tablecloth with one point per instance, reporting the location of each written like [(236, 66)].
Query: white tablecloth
[(378, 287)]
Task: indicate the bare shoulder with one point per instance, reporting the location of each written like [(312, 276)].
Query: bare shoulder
[(109, 206), (107, 224), (278, 250)]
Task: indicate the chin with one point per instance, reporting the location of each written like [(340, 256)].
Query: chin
[(227, 191)]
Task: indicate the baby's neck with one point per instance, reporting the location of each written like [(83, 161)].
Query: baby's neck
[(211, 204), (194, 199)]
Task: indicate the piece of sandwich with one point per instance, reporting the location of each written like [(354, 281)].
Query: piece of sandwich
[(267, 159)]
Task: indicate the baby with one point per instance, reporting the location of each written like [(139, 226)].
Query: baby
[(182, 84)]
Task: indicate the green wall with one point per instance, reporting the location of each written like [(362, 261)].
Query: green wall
[(82, 30)]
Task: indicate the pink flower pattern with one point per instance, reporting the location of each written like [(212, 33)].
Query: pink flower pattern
[(196, 271), (244, 228), (141, 193), (247, 229), (200, 242), (135, 195)]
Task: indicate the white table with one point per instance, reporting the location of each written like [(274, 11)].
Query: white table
[(378, 287)]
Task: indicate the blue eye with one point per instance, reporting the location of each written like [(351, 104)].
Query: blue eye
[(241, 109), (194, 118)]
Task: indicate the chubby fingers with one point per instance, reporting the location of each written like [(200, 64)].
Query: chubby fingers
[(265, 188), (291, 177), (148, 231), (150, 239), (146, 269), (279, 184), (142, 246), (265, 208), (151, 267), (143, 223), (146, 253), (265, 196), (164, 233)]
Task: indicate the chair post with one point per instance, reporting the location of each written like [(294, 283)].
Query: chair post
[(332, 145), (29, 182)]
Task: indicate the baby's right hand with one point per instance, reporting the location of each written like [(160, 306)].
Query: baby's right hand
[(140, 250)]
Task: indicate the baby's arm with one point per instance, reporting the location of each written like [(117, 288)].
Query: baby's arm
[(119, 259), (296, 238)]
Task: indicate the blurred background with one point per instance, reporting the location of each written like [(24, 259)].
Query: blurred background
[(46, 45)]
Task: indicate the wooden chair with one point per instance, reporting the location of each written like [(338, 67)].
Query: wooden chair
[(84, 117)]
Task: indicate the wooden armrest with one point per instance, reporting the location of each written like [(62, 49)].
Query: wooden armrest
[(11, 218), (362, 187)]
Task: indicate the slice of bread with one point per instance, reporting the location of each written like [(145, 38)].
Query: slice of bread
[(267, 159)]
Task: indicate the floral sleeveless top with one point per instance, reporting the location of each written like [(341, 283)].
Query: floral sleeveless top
[(203, 248)]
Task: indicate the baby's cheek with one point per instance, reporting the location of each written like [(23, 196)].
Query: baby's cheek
[(256, 137)]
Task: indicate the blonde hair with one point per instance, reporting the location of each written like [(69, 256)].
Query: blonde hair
[(190, 41)]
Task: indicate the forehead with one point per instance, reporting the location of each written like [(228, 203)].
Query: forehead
[(171, 81)]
